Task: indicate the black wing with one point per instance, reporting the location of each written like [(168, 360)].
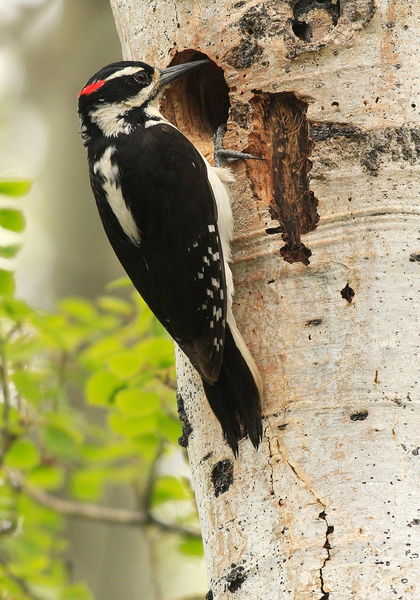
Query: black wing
[(177, 267)]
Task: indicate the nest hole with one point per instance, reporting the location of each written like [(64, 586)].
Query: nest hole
[(198, 103), (302, 30), (313, 18)]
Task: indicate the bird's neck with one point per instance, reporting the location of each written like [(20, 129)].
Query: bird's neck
[(113, 119)]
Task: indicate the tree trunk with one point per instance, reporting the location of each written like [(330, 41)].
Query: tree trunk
[(325, 91)]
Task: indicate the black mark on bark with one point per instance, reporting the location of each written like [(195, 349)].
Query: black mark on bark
[(261, 21), (347, 293), (255, 21), (359, 416), (320, 131), (206, 458), (240, 113), (313, 322), (186, 425), (209, 595), (245, 55), (415, 257), (235, 578), (273, 230), (391, 143), (370, 161), (352, 10), (222, 476)]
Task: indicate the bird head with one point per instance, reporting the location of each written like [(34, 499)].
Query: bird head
[(125, 89)]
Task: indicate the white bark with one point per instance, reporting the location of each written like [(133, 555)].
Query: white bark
[(325, 510)]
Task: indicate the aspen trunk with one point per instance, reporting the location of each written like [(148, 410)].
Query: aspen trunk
[(326, 253)]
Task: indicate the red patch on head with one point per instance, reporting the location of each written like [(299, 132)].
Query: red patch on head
[(89, 89)]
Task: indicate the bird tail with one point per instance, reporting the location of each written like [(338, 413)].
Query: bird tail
[(235, 397)]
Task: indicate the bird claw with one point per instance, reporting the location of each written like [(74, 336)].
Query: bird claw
[(221, 155)]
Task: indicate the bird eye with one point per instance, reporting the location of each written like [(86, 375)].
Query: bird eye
[(141, 77)]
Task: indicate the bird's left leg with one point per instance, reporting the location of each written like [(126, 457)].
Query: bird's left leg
[(222, 155)]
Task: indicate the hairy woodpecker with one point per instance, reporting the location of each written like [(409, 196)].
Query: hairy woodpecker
[(167, 215)]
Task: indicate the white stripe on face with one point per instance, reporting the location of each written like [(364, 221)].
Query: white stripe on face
[(125, 71)]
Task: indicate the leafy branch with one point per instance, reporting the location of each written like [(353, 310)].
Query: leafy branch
[(94, 512), (19, 581), (5, 391), (87, 395)]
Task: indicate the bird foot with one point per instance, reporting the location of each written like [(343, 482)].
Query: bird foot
[(221, 155)]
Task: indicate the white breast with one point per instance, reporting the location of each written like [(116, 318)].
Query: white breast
[(218, 177)]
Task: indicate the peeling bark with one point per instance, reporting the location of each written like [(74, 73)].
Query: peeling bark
[(326, 92), (280, 134)]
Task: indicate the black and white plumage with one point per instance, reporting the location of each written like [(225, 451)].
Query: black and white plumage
[(167, 215)]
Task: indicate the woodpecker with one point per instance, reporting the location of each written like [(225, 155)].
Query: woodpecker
[(167, 214)]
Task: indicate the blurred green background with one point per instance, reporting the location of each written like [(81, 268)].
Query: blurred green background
[(88, 411)]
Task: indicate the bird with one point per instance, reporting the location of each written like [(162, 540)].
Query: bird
[(167, 214)]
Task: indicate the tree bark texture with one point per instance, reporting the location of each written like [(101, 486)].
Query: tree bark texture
[(326, 255)]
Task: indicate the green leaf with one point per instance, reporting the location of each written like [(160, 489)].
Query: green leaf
[(135, 402), (9, 251), (168, 488), (155, 352), (124, 364), (57, 331), (14, 188), (77, 591), (101, 349), (108, 451), (132, 427), (12, 219), (48, 478), (191, 547), (60, 442), (7, 283), (122, 282), (113, 304), (88, 484), (78, 308), (144, 321), (69, 422), (157, 329), (22, 455), (24, 349), (28, 384), (147, 446), (15, 309), (100, 388), (169, 428)]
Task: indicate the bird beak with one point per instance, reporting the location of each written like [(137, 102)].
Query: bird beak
[(171, 73)]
